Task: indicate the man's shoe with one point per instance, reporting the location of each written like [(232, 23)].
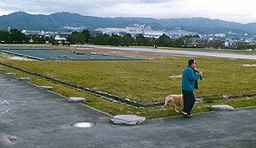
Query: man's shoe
[(185, 115)]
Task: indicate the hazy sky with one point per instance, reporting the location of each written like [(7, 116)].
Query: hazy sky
[(242, 11)]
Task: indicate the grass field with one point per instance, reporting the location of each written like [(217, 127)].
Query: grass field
[(148, 81), (115, 109)]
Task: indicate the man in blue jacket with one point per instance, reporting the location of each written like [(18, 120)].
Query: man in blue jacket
[(188, 84)]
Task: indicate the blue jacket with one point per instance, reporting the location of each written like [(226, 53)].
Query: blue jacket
[(188, 79)]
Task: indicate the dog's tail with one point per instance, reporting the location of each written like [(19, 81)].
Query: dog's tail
[(165, 103)]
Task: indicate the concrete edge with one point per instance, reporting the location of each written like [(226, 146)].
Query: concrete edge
[(96, 110), (208, 112)]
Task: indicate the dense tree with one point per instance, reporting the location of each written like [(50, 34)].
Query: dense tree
[(87, 35), (114, 40), (141, 40), (100, 39), (76, 38), (38, 39), (49, 39), (17, 36), (4, 36), (164, 40), (178, 42), (127, 40)]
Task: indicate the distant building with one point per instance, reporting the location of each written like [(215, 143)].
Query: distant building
[(147, 31), (229, 43), (61, 37), (220, 35), (39, 33)]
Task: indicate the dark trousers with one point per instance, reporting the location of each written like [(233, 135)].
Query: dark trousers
[(188, 101)]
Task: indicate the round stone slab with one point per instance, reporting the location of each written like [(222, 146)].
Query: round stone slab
[(76, 99), (222, 108), (128, 119), (83, 124)]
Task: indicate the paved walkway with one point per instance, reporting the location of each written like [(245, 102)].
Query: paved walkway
[(42, 119), (183, 52)]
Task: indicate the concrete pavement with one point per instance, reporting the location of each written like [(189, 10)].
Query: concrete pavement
[(42, 119), (182, 52)]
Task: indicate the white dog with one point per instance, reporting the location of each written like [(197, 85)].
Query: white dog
[(174, 100)]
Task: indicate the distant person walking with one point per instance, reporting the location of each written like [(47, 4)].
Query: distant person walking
[(189, 82), (156, 47)]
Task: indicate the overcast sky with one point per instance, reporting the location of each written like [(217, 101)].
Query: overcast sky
[(242, 11)]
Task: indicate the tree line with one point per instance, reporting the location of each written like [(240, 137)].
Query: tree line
[(122, 40), (85, 37), (16, 36), (13, 35), (187, 41)]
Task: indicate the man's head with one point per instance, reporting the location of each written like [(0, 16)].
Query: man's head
[(192, 63)]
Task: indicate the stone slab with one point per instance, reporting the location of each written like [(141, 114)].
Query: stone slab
[(128, 119), (10, 73), (199, 100), (226, 97), (25, 78), (45, 87), (76, 99), (222, 108)]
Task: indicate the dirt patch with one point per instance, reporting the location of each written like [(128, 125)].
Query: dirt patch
[(17, 58)]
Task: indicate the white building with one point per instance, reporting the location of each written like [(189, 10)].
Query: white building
[(61, 37), (220, 35)]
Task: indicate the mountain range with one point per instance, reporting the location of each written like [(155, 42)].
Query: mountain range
[(60, 21)]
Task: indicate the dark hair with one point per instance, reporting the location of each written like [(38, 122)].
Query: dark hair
[(190, 62)]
